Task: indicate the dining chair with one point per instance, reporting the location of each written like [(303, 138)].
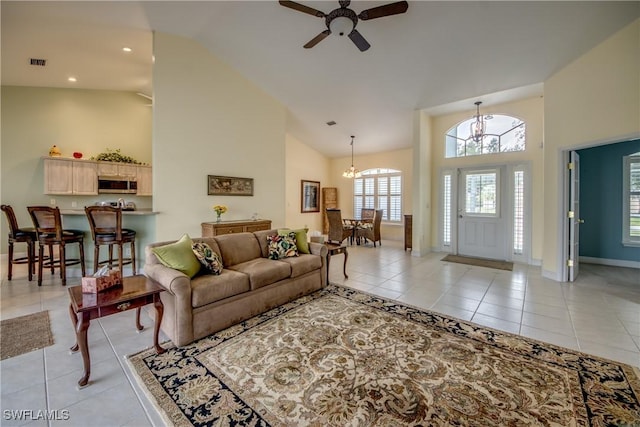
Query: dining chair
[(338, 231), (20, 235), (48, 224), (106, 229), (373, 232)]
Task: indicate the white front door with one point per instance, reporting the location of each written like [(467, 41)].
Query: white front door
[(481, 213)]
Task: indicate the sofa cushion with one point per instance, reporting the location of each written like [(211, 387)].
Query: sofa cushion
[(263, 272), (282, 246), (303, 264), (238, 248), (209, 288), (209, 259), (179, 256), (262, 240), (301, 238)]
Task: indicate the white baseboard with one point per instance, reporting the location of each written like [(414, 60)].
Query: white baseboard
[(610, 262)]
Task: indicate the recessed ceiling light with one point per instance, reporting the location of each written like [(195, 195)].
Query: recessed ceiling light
[(126, 49), (72, 79)]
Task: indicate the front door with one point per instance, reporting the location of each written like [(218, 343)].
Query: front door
[(481, 213)]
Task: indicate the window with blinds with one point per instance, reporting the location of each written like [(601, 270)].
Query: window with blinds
[(379, 189), (631, 200)]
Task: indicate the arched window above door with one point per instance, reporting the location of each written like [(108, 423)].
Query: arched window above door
[(502, 134)]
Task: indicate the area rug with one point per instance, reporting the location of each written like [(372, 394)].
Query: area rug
[(479, 262), (340, 357), (24, 334)]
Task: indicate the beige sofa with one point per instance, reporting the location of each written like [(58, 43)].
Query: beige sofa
[(250, 284)]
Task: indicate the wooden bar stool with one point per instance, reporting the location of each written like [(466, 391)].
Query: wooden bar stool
[(106, 229), (48, 224), (20, 235)]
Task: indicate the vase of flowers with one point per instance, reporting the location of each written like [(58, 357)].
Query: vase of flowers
[(219, 210)]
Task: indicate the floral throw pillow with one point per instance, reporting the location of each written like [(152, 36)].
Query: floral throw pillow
[(282, 246), (207, 257)]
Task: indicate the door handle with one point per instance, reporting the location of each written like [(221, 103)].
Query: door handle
[(581, 221)]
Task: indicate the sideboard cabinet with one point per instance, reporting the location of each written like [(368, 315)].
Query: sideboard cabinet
[(408, 232), (210, 229)]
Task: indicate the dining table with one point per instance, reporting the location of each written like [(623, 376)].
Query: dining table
[(356, 223)]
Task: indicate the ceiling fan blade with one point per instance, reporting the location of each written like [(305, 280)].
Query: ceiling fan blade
[(317, 39), (302, 8), (359, 41), (386, 10)]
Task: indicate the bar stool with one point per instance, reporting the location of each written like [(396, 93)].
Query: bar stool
[(20, 235), (106, 229), (48, 224)]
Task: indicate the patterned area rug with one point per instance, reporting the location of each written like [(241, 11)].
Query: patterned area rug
[(479, 262), (23, 334), (341, 357)]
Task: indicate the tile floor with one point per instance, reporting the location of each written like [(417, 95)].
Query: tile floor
[(599, 314)]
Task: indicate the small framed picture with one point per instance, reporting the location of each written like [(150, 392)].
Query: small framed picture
[(310, 196)]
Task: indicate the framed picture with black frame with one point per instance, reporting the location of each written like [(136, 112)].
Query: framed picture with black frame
[(309, 196)]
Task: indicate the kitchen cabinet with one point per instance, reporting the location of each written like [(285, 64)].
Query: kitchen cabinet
[(117, 169), (68, 176), (144, 179), (210, 229)]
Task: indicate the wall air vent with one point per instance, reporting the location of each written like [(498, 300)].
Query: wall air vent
[(38, 62)]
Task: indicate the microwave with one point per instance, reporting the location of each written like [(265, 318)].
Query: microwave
[(117, 184)]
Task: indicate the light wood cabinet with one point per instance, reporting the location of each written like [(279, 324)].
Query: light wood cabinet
[(68, 176), (117, 169), (144, 178), (329, 201), (80, 177), (85, 178), (210, 229)]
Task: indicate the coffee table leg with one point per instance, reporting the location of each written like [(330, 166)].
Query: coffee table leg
[(157, 303), (74, 322), (138, 324), (81, 337)]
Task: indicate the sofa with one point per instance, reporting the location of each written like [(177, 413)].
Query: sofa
[(250, 283)]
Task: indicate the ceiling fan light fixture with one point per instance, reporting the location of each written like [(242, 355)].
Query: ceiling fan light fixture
[(341, 26), (351, 172)]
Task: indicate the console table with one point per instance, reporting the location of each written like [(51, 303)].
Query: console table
[(210, 229)]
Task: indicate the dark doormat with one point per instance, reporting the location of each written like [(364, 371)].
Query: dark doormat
[(23, 334), (479, 262)]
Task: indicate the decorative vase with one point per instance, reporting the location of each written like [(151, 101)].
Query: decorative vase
[(218, 217)]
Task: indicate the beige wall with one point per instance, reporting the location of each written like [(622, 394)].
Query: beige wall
[(88, 121), (531, 112), (397, 159), (303, 163), (209, 120), (594, 100)]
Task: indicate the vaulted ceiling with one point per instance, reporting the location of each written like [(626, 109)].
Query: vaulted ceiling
[(439, 56)]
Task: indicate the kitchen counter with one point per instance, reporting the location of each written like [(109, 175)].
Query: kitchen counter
[(137, 212)]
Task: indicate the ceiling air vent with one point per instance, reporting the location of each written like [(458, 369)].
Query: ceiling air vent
[(38, 62)]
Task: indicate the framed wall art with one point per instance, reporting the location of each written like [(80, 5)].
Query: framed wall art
[(229, 186), (310, 196)]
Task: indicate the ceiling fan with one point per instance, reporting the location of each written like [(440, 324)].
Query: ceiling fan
[(343, 20)]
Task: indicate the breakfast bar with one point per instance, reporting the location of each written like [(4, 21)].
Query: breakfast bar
[(141, 220)]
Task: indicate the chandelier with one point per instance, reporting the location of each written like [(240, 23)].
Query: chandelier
[(477, 127), (352, 172)]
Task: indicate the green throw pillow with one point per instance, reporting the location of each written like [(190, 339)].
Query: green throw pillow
[(301, 238), (179, 256)]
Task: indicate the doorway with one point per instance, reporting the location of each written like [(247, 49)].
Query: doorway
[(481, 222)]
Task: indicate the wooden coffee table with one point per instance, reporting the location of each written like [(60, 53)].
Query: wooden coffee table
[(135, 292)]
